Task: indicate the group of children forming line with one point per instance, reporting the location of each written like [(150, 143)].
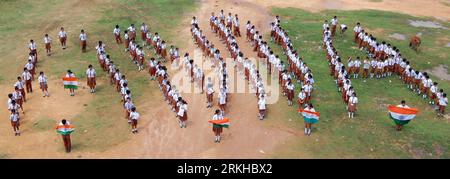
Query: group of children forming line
[(296, 67), (156, 69), (220, 66), (338, 70), (117, 79), (248, 70), (383, 60), (23, 85)]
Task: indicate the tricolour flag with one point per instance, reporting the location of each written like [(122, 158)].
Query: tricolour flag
[(64, 129), (222, 123), (310, 116), (70, 82), (402, 116)]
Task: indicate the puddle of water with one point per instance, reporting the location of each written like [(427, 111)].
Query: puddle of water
[(398, 36), (428, 24)]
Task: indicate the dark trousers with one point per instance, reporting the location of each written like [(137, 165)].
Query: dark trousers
[(67, 143)]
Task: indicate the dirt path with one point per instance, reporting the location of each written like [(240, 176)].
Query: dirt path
[(431, 8)]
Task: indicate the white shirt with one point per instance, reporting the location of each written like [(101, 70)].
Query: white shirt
[(42, 79), (26, 76), (262, 103), (182, 109), (353, 100), (32, 46), (14, 117), (134, 115), (62, 34), (83, 36), (116, 31), (47, 40), (90, 73)]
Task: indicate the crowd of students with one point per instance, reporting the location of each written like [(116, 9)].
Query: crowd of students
[(156, 69), (383, 60), (338, 70), (227, 33)]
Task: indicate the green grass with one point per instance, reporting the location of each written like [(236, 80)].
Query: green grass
[(371, 134), (44, 124)]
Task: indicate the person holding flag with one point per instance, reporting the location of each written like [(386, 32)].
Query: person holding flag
[(218, 122), (310, 116), (65, 129), (70, 82), (402, 114)]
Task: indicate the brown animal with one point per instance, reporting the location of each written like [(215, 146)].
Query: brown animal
[(415, 43)]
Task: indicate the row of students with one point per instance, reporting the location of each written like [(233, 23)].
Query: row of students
[(220, 68), (62, 36), (116, 78), (171, 95), (245, 67), (296, 66), (230, 22), (340, 73), (390, 61), (152, 41)]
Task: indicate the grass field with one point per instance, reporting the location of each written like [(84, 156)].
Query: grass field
[(371, 133)]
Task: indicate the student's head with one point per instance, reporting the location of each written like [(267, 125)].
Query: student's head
[(25, 69), (69, 71), (62, 28), (128, 99), (217, 111), (64, 121), (358, 23), (31, 40), (310, 105), (82, 30), (13, 102), (444, 95), (123, 76), (10, 95), (19, 78), (128, 92), (46, 35), (133, 109), (90, 66), (132, 25), (41, 73), (13, 111), (117, 26), (403, 102), (126, 31)]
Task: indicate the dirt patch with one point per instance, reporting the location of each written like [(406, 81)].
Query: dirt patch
[(397, 36), (428, 24), (430, 8), (441, 72)]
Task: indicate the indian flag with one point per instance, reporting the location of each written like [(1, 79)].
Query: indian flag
[(402, 116), (310, 116), (70, 82), (221, 123), (64, 129)]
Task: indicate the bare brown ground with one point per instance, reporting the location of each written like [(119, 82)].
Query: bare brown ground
[(430, 8)]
